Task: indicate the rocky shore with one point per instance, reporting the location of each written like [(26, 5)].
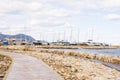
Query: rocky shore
[(5, 62), (69, 65)]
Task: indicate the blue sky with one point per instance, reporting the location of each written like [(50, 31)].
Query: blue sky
[(57, 19)]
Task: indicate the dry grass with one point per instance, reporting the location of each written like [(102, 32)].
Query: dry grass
[(74, 68), (72, 65), (76, 47), (5, 62), (104, 58)]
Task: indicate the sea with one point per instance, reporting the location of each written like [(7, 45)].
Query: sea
[(110, 52)]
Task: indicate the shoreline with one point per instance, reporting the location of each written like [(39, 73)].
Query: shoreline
[(76, 47), (113, 66), (68, 65)]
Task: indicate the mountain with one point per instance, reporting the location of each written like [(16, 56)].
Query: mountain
[(17, 36)]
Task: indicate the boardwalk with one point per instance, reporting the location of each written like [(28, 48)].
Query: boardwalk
[(28, 68)]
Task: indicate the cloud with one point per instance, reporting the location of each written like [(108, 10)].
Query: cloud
[(113, 17), (110, 4), (37, 13), (17, 14)]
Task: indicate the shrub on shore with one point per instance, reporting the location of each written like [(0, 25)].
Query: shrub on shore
[(5, 62), (71, 67), (104, 58)]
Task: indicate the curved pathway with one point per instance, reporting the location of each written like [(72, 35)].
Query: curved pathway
[(29, 68)]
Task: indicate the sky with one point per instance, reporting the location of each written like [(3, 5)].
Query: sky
[(69, 20)]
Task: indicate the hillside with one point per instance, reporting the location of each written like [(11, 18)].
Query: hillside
[(17, 36)]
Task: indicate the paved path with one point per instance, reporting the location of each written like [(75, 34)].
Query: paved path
[(29, 68)]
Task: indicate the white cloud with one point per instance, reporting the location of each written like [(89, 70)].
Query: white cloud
[(41, 15), (110, 4), (43, 12), (32, 12), (113, 17), (106, 5)]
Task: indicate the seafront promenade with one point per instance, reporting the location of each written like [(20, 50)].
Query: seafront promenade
[(29, 68)]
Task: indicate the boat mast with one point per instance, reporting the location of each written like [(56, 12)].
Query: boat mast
[(40, 35), (92, 34), (78, 35), (64, 35), (71, 35), (25, 32), (53, 36)]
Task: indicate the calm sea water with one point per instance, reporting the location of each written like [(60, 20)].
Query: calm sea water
[(111, 52)]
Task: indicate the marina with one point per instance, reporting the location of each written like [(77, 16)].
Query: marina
[(59, 40)]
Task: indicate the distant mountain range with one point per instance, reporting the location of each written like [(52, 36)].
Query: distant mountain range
[(17, 36)]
